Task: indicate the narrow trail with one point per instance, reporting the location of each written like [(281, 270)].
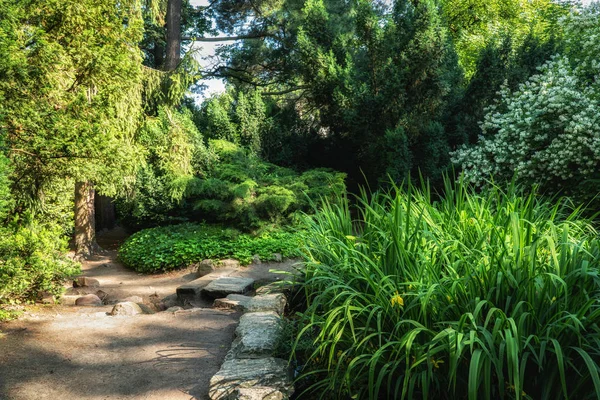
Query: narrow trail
[(69, 352)]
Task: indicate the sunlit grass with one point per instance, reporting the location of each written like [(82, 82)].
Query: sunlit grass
[(478, 296)]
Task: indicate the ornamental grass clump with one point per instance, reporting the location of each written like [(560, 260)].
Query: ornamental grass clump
[(479, 296)]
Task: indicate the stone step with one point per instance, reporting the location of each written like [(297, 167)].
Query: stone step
[(257, 336), (222, 287), (239, 378), (267, 302), (193, 289)]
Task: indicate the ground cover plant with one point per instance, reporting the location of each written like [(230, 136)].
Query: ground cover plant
[(490, 295), (169, 247)]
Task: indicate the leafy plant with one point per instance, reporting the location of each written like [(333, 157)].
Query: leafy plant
[(546, 131), (479, 296), (32, 260), (175, 246)]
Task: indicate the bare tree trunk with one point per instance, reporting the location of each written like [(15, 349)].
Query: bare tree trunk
[(85, 220), (173, 52)]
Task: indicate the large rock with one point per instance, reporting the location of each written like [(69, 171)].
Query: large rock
[(84, 281), (229, 263), (267, 302), (225, 286), (205, 267), (257, 335), (126, 308), (88, 300), (235, 376)]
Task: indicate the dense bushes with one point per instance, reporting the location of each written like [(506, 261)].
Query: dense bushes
[(31, 254), (492, 295), (32, 260), (170, 247), (238, 188), (546, 131)]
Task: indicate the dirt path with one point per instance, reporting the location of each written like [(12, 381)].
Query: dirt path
[(68, 352)]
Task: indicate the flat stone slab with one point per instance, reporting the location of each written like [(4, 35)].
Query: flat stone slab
[(194, 288), (267, 302), (257, 336), (235, 376), (222, 287)]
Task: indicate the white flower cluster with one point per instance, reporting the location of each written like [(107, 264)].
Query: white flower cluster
[(548, 130)]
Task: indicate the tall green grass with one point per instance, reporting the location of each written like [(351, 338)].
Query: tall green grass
[(474, 296)]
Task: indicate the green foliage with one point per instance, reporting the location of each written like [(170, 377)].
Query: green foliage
[(6, 200), (175, 246), (247, 192), (472, 295), (32, 261), (70, 93), (545, 131), (239, 189), (476, 25)]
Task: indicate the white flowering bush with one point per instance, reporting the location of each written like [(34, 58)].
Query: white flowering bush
[(548, 130)]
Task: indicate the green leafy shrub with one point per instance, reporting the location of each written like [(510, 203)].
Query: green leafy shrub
[(546, 131), (175, 246), (240, 190), (244, 191), (32, 260), (274, 200), (478, 296)]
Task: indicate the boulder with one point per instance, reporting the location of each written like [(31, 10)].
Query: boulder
[(205, 267), (257, 336), (84, 281), (126, 308), (229, 263), (88, 300), (267, 302), (133, 299), (256, 259), (271, 374), (222, 287), (277, 257)]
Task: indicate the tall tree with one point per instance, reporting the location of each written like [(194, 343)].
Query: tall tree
[(70, 84)]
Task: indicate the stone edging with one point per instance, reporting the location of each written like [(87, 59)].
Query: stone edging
[(250, 372)]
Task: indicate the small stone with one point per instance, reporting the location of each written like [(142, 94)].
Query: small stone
[(88, 300), (234, 375), (174, 309), (229, 263), (48, 299), (126, 308), (225, 286), (102, 294), (277, 257), (133, 299), (84, 281), (256, 259), (205, 267), (68, 300)]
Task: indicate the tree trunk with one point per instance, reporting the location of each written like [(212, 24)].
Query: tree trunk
[(159, 54), (85, 220), (173, 52)]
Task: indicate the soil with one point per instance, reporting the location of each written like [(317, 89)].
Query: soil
[(69, 352)]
